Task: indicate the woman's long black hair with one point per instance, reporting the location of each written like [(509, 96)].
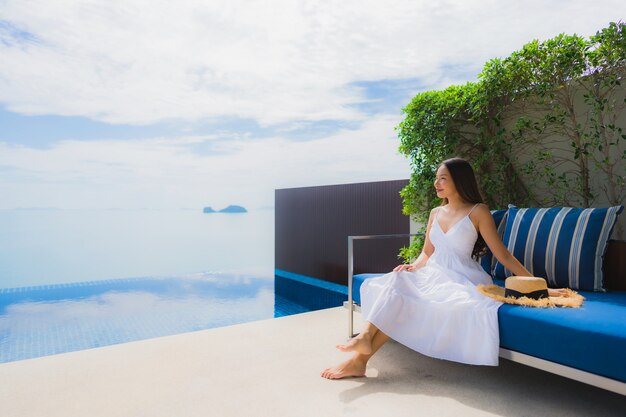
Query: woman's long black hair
[(465, 183)]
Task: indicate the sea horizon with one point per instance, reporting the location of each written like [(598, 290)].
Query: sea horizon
[(46, 246)]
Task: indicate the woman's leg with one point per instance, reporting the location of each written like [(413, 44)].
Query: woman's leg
[(361, 343), (355, 366)]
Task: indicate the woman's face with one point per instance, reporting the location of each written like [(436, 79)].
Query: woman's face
[(443, 183)]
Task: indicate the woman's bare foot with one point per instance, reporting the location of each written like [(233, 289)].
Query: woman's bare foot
[(361, 344), (350, 368)]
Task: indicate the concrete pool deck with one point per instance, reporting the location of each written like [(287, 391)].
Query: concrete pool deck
[(271, 368)]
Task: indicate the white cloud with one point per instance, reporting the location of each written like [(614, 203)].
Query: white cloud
[(144, 61), (169, 173), (141, 61)]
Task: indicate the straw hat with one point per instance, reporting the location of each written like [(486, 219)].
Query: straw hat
[(532, 292)]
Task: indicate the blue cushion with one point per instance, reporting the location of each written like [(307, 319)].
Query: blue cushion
[(356, 285), (487, 261), (591, 338), (565, 245)]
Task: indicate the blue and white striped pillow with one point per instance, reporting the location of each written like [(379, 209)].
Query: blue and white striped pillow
[(565, 245)]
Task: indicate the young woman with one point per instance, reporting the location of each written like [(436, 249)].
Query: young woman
[(432, 305)]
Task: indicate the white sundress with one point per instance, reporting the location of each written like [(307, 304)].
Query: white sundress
[(437, 310)]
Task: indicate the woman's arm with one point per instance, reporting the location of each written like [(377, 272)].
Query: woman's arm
[(427, 249), (483, 220)]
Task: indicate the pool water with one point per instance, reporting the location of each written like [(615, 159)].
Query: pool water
[(45, 320)]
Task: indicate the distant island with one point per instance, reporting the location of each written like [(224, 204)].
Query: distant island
[(229, 209)]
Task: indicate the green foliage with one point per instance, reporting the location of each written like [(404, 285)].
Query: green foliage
[(538, 127)]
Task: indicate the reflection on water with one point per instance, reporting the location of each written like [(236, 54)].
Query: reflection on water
[(41, 321)]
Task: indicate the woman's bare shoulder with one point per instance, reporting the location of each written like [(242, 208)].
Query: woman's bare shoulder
[(481, 211), (433, 213), (482, 208)]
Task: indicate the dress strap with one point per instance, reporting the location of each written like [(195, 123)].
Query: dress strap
[(475, 205)]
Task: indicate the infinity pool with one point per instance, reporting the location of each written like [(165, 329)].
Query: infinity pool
[(46, 320)]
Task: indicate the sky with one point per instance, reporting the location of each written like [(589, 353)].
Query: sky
[(165, 105)]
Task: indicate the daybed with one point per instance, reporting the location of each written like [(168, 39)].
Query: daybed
[(587, 344)]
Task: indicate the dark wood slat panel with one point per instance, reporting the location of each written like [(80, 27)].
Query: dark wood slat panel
[(312, 225), (615, 265)]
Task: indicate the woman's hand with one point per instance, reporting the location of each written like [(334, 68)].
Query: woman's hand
[(409, 267), (557, 292)]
